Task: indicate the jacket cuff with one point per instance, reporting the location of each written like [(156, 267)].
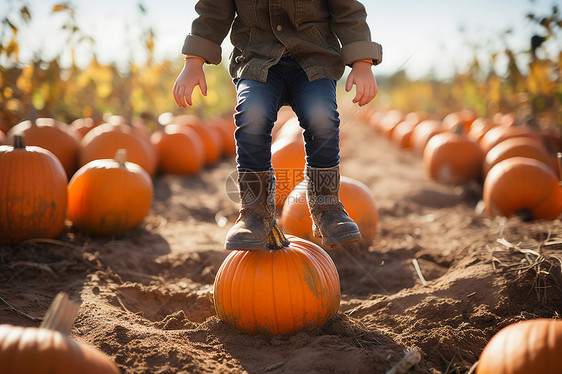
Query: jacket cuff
[(362, 51), (198, 46)]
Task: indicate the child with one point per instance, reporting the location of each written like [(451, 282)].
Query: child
[(285, 52)]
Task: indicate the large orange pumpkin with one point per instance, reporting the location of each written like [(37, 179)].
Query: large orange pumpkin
[(522, 186), (104, 140), (108, 197), (179, 149), (357, 199), (453, 158), (57, 137), (292, 286), (288, 161), (527, 347), (33, 196), (45, 350)]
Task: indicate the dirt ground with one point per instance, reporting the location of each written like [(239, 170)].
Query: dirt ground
[(147, 295)]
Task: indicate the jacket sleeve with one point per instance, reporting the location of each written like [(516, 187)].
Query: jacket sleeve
[(209, 29), (349, 22)]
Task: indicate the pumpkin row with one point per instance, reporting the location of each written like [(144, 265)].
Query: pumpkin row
[(181, 144), (104, 197), (513, 157)]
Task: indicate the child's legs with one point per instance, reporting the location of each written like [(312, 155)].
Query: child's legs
[(316, 107), (256, 111)]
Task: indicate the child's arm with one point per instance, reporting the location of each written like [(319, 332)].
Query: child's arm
[(365, 84), (202, 45), (191, 75)]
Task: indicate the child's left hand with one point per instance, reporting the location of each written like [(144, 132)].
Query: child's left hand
[(365, 84)]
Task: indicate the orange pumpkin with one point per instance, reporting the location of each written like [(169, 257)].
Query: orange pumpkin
[(226, 128), (453, 158), (522, 186), (108, 197), (402, 134), (291, 286), (479, 128), (291, 130), (54, 136), (424, 131), (33, 193), (104, 140), (354, 195), (210, 137), (388, 121), (517, 147), (533, 346), (46, 350), (83, 125), (500, 133), (179, 149), (288, 161), (464, 116)]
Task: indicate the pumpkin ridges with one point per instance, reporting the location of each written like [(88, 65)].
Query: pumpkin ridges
[(272, 312), (33, 188)]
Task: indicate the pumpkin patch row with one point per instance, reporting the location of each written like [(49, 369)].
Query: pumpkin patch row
[(183, 145), (110, 166), (513, 157)]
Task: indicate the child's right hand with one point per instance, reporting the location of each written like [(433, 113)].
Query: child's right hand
[(191, 75)]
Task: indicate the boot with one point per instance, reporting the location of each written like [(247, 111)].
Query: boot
[(257, 211), (330, 221)]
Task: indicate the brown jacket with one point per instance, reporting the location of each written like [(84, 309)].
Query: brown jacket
[(322, 35)]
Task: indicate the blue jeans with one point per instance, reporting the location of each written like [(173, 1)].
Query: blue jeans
[(256, 111)]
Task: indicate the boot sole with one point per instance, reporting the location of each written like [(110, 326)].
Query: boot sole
[(342, 240), (245, 246)]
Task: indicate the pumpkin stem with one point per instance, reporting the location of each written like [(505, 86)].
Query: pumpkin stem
[(61, 314), (276, 238), (19, 143), (459, 129), (121, 156)]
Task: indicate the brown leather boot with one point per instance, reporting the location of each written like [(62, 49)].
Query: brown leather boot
[(257, 211), (330, 221)]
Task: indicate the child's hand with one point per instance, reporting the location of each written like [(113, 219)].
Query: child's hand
[(191, 75), (365, 84)]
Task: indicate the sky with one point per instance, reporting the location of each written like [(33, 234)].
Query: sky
[(435, 37)]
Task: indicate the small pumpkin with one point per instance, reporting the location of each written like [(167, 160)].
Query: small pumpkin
[(464, 116), (386, 123), (424, 131), (210, 137), (533, 346), (517, 147), (288, 161), (356, 197), (500, 133), (103, 141), (33, 196), (453, 158), (524, 187), (179, 149), (54, 136), (108, 197), (291, 286), (402, 134), (48, 349)]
